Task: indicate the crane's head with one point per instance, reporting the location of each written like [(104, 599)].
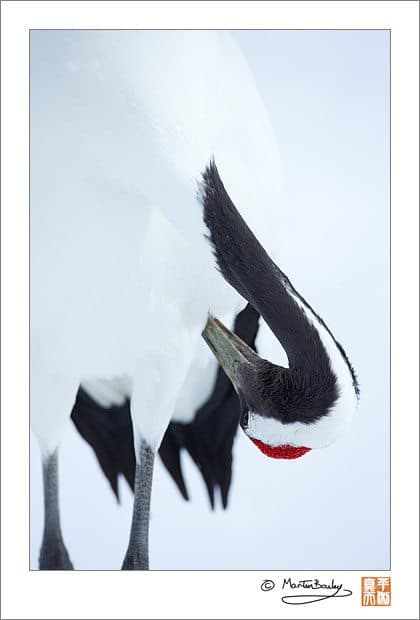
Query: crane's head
[(284, 411)]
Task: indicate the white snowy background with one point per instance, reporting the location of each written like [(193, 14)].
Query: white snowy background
[(326, 93)]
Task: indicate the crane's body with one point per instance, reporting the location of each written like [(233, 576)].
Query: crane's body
[(122, 126)]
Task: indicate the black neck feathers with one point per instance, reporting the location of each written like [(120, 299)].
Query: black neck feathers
[(245, 264)]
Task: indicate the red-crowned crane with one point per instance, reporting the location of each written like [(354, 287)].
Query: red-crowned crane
[(137, 237)]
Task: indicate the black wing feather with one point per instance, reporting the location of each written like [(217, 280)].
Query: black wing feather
[(208, 438)]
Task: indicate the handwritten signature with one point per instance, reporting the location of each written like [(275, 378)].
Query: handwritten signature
[(326, 590)]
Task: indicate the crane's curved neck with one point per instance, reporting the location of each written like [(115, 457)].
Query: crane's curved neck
[(310, 347)]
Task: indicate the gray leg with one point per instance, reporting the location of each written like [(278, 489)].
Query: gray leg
[(137, 556), (53, 554)]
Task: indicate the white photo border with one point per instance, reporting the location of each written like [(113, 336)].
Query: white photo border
[(203, 594)]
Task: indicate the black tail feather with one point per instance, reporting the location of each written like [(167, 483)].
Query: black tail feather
[(110, 434), (170, 453)]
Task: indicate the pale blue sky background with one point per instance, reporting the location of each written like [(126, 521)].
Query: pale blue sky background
[(327, 95)]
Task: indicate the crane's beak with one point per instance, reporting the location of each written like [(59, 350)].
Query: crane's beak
[(228, 348)]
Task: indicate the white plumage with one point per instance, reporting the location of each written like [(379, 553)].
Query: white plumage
[(122, 125)]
